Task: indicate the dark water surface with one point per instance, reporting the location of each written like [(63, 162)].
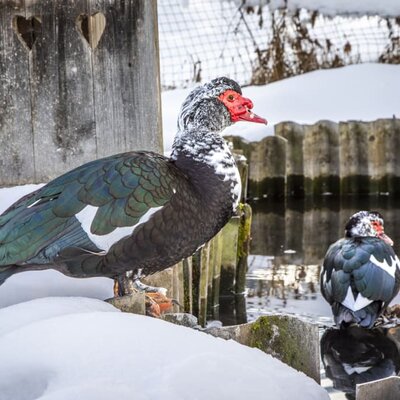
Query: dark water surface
[(289, 241)]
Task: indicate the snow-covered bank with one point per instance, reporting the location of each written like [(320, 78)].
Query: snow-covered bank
[(89, 350), (358, 92)]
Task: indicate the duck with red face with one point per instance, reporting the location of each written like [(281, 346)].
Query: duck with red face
[(135, 211), (361, 273)]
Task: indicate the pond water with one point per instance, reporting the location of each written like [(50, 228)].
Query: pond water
[(289, 241)]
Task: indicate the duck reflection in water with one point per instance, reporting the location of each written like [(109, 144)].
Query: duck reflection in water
[(357, 355)]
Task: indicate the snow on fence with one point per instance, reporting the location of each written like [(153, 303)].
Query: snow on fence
[(326, 158), (201, 39)]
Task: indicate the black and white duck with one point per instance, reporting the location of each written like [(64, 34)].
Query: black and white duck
[(360, 274), (135, 211)]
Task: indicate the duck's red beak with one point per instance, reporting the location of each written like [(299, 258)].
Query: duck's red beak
[(240, 107)]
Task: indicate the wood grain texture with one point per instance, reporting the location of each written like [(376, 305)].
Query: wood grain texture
[(68, 100), (127, 103), (16, 140)]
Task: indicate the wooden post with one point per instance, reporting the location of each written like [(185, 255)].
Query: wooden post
[(243, 248), (229, 256), (294, 134), (203, 284), (267, 170), (321, 158), (188, 285), (384, 142), (354, 155), (78, 80)]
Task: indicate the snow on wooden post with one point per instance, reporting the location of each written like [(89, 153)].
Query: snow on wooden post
[(78, 80), (354, 155), (384, 167), (321, 158), (294, 134)]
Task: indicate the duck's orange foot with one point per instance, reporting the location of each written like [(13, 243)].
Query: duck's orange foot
[(157, 304)]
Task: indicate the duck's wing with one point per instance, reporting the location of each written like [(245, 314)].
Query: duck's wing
[(91, 201), (358, 271)]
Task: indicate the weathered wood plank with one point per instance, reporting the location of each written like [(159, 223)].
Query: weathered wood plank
[(294, 134), (354, 156), (61, 90), (16, 144), (81, 86), (126, 71), (321, 158)]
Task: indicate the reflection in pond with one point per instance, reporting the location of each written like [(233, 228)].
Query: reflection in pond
[(289, 241), (356, 355)]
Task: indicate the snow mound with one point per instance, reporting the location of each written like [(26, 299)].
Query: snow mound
[(85, 351)]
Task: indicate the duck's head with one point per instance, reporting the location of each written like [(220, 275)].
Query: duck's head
[(216, 105), (367, 223)]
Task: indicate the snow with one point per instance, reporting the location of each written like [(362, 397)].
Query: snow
[(385, 8), (63, 348), (358, 92)]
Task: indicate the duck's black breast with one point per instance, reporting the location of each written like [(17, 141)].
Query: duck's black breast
[(366, 265)]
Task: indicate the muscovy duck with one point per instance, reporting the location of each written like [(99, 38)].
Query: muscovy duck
[(360, 273), (138, 210)]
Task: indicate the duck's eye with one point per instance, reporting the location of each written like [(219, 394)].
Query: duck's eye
[(231, 97)]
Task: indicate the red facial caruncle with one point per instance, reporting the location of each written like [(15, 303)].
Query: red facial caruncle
[(380, 233), (239, 107)]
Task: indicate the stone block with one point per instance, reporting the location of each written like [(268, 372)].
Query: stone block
[(382, 389), (132, 303), (288, 338)]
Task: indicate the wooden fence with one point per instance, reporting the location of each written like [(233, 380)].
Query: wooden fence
[(78, 80), (326, 158)]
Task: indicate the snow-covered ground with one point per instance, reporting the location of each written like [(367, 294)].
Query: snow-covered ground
[(63, 348), (76, 348)]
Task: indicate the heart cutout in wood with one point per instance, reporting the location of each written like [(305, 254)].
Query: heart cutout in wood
[(27, 29), (91, 27)]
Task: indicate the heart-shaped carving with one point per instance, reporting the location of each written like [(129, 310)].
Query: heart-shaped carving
[(91, 27), (27, 29)]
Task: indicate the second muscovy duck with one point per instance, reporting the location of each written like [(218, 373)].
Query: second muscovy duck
[(137, 210), (361, 273)]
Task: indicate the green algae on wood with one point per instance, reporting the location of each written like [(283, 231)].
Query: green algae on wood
[(229, 256), (243, 247)]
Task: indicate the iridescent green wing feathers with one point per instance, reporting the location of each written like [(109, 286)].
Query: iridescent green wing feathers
[(123, 188)]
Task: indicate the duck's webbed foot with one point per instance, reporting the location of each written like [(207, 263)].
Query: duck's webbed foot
[(156, 301)]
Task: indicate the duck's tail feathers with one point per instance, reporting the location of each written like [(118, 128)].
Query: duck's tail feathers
[(365, 317)]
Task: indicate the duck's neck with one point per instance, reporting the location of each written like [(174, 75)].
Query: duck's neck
[(205, 158)]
